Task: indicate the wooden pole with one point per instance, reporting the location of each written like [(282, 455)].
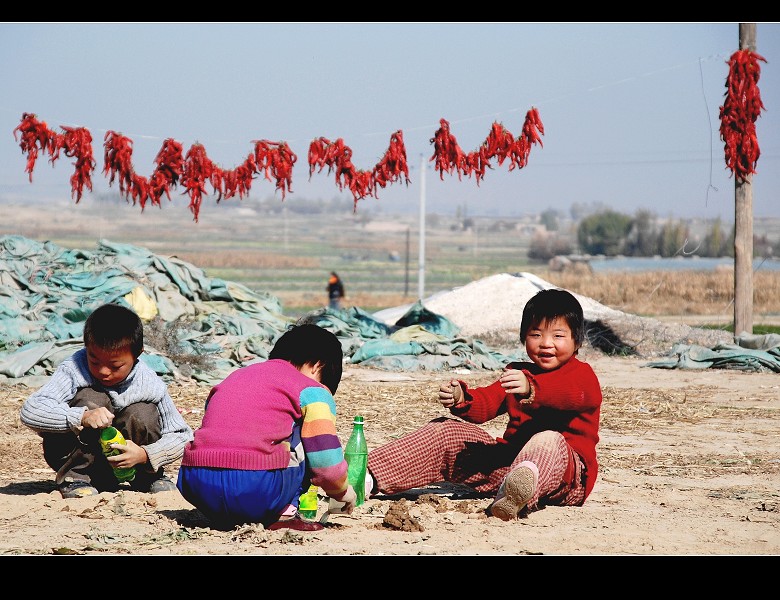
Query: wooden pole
[(743, 226)]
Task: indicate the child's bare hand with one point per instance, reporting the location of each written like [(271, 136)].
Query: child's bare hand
[(97, 418), (450, 393), (515, 382), (130, 455)]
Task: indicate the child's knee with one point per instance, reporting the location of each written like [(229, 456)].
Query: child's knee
[(550, 441), (91, 398)]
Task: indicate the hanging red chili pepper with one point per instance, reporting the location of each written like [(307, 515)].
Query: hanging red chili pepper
[(739, 113), (337, 156), (393, 164), (532, 129), (197, 171), (276, 160), (447, 154), (77, 143), (499, 144), (236, 181), (170, 166), (118, 162), (35, 136)]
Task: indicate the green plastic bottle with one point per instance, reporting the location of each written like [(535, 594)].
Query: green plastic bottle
[(356, 454), (111, 435), (307, 503)]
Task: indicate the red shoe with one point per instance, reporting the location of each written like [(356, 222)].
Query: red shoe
[(297, 524)]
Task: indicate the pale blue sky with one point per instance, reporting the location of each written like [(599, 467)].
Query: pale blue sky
[(631, 111)]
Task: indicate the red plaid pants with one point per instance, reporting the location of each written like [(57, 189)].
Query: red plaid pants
[(455, 451)]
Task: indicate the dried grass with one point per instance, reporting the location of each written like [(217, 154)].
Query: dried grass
[(656, 293)]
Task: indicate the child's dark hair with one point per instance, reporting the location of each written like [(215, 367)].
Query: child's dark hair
[(307, 343), (551, 304), (113, 326)]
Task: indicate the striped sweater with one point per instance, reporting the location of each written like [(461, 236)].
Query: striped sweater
[(48, 410), (269, 415)]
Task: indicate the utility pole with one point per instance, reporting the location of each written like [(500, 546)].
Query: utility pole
[(406, 273), (421, 261), (743, 226)]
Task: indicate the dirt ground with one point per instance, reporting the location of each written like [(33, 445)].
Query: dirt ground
[(690, 465)]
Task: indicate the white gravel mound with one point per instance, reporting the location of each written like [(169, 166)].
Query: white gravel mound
[(491, 309), (492, 304)]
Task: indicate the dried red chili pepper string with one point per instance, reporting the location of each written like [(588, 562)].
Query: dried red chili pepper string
[(447, 154), (739, 113), (274, 159), (393, 163), (35, 136), (337, 156), (198, 169), (169, 169), (117, 161), (448, 157), (76, 142)]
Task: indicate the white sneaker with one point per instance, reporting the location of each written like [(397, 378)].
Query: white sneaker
[(515, 492)]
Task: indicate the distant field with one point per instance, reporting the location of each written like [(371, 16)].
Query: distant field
[(290, 256)]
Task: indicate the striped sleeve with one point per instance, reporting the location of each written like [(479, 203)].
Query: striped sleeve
[(321, 443), (48, 409)]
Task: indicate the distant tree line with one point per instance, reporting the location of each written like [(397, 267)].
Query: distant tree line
[(611, 233)]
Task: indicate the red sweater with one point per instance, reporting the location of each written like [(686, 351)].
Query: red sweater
[(568, 400)]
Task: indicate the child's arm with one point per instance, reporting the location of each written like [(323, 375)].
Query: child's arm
[(514, 381), (145, 385), (47, 409), (175, 433), (480, 404), (573, 387), (321, 444), (450, 393)]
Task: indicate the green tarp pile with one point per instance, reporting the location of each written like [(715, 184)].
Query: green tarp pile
[(750, 353), (46, 293)]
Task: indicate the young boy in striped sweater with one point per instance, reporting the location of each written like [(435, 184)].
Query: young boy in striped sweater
[(105, 384)]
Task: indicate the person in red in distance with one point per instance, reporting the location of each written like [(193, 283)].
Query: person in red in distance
[(335, 291), (547, 454)]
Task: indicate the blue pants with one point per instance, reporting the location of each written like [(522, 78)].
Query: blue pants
[(231, 497)]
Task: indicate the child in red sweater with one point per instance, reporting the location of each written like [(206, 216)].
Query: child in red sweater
[(547, 454)]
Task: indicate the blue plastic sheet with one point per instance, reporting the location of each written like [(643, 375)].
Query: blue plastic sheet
[(47, 292)]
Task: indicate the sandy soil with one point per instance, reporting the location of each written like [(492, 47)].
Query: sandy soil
[(690, 465)]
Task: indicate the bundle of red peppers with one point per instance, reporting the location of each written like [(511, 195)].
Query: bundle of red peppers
[(75, 141), (275, 160), (338, 157), (739, 112), (500, 144)]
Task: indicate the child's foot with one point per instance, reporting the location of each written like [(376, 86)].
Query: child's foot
[(515, 492), (77, 489), (163, 484), (369, 485), (297, 524)]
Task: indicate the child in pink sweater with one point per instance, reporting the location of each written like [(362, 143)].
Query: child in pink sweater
[(268, 431)]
